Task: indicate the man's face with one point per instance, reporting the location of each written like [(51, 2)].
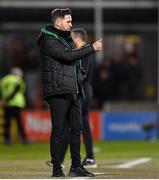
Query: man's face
[(66, 23)]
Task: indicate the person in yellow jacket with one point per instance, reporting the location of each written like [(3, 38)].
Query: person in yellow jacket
[(12, 88)]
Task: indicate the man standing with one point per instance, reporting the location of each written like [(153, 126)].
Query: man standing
[(79, 36), (80, 39), (62, 88), (12, 87)]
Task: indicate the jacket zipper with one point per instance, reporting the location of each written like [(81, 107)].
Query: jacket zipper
[(76, 84), (82, 86)]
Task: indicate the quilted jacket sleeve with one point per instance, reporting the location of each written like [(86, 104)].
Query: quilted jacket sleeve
[(54, 48)]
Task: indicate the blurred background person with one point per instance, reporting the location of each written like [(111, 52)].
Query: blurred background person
[(79, 36), (80, 39), (12, 87)]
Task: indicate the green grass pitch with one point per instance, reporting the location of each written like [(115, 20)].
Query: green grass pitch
[(20, 161)]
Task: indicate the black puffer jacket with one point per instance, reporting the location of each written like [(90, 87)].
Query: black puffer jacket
[(59, 62)]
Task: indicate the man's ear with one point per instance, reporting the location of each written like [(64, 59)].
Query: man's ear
[(58, 23), (78, 39)]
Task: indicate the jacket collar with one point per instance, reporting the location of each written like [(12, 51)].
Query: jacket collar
[(50, 30), (63, 34)]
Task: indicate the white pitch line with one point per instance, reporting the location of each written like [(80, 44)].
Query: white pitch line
[(96, 173), (133, 163)]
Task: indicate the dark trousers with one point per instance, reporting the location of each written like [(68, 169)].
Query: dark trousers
[(13, 112), (65, 115), (86, 132)]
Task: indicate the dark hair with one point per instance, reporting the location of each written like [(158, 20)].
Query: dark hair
[(82, 33), (59, 13)]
